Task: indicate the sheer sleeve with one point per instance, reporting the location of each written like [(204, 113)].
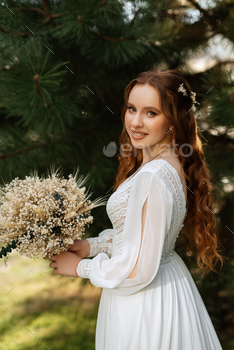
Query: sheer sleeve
[(100, 244), (141, 246)]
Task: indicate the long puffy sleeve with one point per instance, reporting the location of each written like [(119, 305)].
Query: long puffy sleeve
[(142, 245), (100, 244)]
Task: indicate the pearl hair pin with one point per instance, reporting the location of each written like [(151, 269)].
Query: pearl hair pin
[(193, 94)]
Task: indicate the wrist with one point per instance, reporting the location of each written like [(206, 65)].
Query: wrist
[(87, 243), (77, 267)]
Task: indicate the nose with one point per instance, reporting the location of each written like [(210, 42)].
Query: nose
[(137, 121)]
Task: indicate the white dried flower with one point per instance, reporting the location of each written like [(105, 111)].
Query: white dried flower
[(71, 214), (193, 94), (73, 198), (68, 241), (182, 89), (44, 231)]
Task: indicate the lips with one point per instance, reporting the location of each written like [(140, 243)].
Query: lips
[(139, 132)]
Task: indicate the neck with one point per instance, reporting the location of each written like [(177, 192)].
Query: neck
[(164, 152)]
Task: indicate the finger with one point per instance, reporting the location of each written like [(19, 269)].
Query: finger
[(70, 249), (53, 264)]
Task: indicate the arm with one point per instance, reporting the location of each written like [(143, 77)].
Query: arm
[(147, 222), (66, 262)]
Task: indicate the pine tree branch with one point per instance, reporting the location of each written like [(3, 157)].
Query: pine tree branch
[(11, 2), (17, 8), (47, 20), (136, 14), (46, 8), (220, 64), (206, 15), (217, 65), (44, 144), (97, 34), (103, 3), (230, 94), (25, 149), (7, 31), (37, 86), (30, 9), (97, 7), (50, 17)]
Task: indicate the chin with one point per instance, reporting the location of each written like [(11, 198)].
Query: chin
[(141, 146)]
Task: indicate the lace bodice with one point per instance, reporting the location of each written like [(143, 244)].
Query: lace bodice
[(117, 206)]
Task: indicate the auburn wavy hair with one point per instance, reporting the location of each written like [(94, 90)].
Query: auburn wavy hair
[(200, 223)]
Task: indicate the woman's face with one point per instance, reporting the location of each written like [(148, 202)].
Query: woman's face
[(144, 114)]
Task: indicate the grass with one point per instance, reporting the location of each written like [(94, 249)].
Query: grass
[(43, 310), (49, 311)]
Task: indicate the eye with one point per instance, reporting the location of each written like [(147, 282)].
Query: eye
[(153, 113), (130, 108), (148, 112)]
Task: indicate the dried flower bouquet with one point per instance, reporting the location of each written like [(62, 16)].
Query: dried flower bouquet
[(43, 216)]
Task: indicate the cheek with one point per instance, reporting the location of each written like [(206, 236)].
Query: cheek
[(127, 118), (157, 125)]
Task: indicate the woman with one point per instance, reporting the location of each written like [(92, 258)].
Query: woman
[(149, 300)]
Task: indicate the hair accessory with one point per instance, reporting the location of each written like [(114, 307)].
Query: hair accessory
[(193, 94), (182, 89)]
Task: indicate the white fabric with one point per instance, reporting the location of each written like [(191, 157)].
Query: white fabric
[(160, 308), (100, 244)]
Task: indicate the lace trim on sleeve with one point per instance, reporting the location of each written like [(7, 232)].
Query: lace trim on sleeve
[(99, 245), (84, 268)]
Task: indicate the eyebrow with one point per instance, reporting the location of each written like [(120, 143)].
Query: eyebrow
[(147, 107)]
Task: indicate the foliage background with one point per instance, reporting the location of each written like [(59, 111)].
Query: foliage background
[(63, 68)]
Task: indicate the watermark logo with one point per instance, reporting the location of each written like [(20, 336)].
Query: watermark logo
[(110, 150), (127, 150)]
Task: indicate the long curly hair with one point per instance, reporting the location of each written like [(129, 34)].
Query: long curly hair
[(200, 222)]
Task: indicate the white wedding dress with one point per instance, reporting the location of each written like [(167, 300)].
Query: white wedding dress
[(160, 308)]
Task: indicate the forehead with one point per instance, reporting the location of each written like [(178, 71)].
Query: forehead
[(144, 95)]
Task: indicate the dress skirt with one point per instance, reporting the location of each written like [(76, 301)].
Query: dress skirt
[(168, 314)]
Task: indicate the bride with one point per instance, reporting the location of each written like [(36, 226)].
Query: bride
[(162, 189)]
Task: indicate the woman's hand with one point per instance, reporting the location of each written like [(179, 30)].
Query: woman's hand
[(80, 247), (65, 263)]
